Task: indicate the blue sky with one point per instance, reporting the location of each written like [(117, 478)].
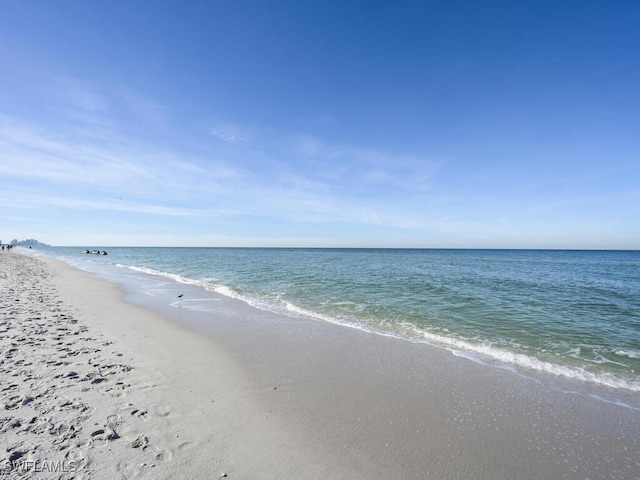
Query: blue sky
[(494, 124)]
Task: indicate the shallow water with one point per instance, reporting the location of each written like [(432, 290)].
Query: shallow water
[(573, 314)]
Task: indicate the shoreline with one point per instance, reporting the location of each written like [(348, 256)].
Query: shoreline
[(603, 363), (256, 395)]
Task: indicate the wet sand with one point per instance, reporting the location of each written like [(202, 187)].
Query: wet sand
[(93, 385)]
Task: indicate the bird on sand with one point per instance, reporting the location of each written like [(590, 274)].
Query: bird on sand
[(180, 296)]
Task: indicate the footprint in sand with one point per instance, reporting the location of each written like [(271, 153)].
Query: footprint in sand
[(37, 426), (163, 455), (140, 442), (142, 414), (13, 403), (22, 451), (118, 390), (163, 411), (64, 432), (4, 421), (103, 436)]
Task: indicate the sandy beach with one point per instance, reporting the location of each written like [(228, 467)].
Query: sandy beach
[(98, 382)]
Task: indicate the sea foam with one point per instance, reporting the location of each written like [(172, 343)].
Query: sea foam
[(479, 352)]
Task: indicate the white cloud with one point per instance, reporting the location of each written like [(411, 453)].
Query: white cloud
[(229, 133), (141, 106), (14, 200), (74, 172), (365, 169), (35, 152), (78, 94), (90, 153)]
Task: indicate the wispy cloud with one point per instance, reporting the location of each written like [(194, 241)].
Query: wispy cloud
[(326, 186), (30, 151), (141, 106), (229, 133), (93, 158), (78, 94), (12, 199), (364, 168)]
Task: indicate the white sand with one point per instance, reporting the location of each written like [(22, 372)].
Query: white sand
[(94, 387)]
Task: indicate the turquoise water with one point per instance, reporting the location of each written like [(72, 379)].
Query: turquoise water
[(568, 313)]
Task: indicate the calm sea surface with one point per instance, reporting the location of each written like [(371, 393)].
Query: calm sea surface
[(568, 313)]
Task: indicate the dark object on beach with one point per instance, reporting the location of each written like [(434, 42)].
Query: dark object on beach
[(180, 296)]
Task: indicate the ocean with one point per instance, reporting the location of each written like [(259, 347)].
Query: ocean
[(571, 314)]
